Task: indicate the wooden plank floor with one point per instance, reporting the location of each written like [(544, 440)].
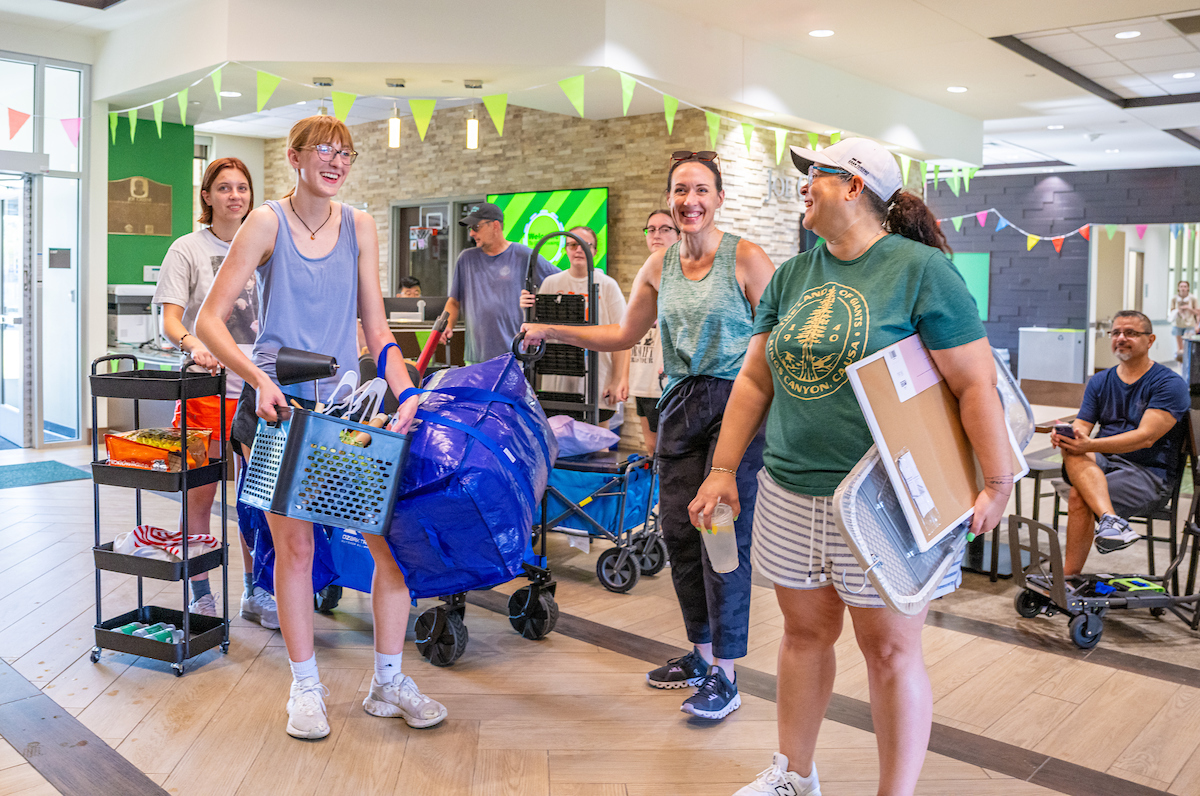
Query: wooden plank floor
[(557, 717)]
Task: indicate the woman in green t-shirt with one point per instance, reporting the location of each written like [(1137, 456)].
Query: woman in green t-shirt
[(881, 276)]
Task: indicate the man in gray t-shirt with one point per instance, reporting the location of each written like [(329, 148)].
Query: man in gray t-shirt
[(487, 285)]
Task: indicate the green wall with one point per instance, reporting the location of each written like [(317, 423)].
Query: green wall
[(167, 160)]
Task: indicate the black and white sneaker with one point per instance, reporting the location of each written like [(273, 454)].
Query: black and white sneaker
[(679, 672), (1113, 533), (716, 697)]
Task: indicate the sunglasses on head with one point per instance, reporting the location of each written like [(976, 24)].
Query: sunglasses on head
[(705, 156)]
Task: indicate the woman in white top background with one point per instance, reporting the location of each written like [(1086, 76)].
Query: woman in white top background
[(1183, 315), (646, 358)]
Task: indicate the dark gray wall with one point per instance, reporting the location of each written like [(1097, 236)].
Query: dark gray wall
[(1043, 287)]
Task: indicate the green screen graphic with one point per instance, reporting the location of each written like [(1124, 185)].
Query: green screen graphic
[(975, 268), (529, 217)]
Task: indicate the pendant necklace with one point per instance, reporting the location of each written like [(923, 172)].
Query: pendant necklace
[(312, 232)]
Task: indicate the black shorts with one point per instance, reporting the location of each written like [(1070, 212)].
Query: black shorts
[(1132, 489), (245, 417), (648, 408)]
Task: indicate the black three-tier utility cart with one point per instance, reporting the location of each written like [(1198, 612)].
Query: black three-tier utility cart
[(200, 633)]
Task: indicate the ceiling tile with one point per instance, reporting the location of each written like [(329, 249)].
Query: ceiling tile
[(1085, 57), (1109, 69), (1151, 29), (1057, 43), (1149, 49), (1165, 64)]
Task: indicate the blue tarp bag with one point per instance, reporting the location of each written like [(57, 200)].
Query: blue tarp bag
[(476, 471)]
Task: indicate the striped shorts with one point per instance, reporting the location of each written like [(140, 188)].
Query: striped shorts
[(797, 545)]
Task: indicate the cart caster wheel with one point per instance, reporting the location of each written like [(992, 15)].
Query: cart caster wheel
[(441, 636), (94, 657), (538, 620), (619, 578), (1086, 630), (1029, 603), (327, 599), (224, 647), (179, 669), (1158, 611), (652, 558)]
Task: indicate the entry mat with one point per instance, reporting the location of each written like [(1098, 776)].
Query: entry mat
[(14, 475)]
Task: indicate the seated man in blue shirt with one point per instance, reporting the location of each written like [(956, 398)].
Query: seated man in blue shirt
[(1131, 465)]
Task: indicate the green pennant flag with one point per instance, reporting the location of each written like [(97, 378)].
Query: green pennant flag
[(1110, 230), (183, 106), (937, 172), (343, 101), (158, 110), (957, 220), (952, 181), (924, 167), (780, 145), (573, 88), (267, 84), (835, 137), (112, 125), (967, 175), (133, 128), (714, 127), (747, 132), (497, 106), (422, 111), (627, 84), (670, 106), (905, 163), (216, 79), (813, 140)]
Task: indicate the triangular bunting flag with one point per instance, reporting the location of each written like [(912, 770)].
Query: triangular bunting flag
[(112, 125), (747, 132), (835, 137), (924, 167), (158, 111), (573, 88), (1058, 242), (981, 217), (670, 105), (497, 106), (132, 125), (905, 163), (71, 126), (1085, 232), (1110, 230), (422, 111), (216, 79), (714, 127), (16, 120), (183, 106), (1031, 241), (627, 86), (957, 221), (780, 145), (1002, 223), (967, 175), (343, 101), (937, 171), (267, 83), (1141, 230), (813, 140), (952, 181)]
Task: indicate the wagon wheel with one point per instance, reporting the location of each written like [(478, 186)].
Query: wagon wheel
[(441, 636), (532, 620)]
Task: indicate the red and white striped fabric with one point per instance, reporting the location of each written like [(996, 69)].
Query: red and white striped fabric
[(171, 541)]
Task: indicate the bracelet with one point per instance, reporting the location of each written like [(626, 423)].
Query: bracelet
[(185, 334), (723, 470)]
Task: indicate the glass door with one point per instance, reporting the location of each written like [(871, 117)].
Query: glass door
[(16, 247)]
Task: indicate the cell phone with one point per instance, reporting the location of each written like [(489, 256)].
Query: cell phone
[(1064, 430)]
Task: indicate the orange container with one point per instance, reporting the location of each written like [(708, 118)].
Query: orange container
[(157, 448)]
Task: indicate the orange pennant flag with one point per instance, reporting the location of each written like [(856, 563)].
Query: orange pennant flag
[(1086, 232), (1058, 242), (16, 120)]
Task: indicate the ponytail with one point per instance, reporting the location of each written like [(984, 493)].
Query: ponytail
[(908, 216)]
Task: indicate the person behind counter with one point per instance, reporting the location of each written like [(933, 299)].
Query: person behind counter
[(410, 287), (314, 258), (187, 273)]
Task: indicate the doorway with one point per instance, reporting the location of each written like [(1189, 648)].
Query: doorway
[(16, 250)]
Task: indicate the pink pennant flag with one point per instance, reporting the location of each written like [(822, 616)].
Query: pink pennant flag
[(981, 217), (16, 120), (1141, 230), (71, 126)]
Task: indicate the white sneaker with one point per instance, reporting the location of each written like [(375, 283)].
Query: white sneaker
[(306, 709), (778, 781), (260, 607), (205, 606), (401, 698)]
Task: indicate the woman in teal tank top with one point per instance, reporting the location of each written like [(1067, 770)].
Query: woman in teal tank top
[(317, 266), (703, 290)]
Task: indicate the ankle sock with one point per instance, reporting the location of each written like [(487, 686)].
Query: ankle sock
[(200, 588), (387, 667), (305, 669), (248, 584)]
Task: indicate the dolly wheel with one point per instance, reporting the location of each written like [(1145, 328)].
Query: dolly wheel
[(179, 669), (615, 574), (533, 621), (1086, 630), (441, 636), (95, 655), (327, 599), (1029, 603), (652, 557)]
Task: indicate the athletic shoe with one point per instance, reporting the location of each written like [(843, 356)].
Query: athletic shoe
[(679, 672), (260, 607), (401, 698), (205, 606), (778, 781), (306, 709), (716, 697), (1114, 533)]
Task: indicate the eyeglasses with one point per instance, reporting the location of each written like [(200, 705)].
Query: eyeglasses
[(683, 154), (660, 230), (575, 245), (326, 153), (826, 170), (1131, 334), (475, 227)]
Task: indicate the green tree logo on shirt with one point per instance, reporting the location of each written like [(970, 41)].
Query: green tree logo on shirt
[(823, 333)]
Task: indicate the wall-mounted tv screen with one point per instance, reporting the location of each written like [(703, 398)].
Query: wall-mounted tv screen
[(529, 217)]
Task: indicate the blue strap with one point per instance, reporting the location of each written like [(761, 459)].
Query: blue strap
[(503, 456), (381, 368), (487, 396)]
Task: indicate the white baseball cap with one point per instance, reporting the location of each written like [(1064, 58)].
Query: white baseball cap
[(859, 156)]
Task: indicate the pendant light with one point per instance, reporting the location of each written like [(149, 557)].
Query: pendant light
[(394, 122), (322, 82), (473, 119)]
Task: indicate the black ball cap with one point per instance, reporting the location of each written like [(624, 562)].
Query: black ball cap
[(484, 211)]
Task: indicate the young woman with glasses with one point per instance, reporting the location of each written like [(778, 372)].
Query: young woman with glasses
[(646, 358), (703, 290), (316, 262)]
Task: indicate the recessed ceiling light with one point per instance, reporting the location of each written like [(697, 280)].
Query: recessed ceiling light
[(1128, 34), (1054, 127), (956, 89), (231, 93), (302, 102), (1183, 75), (1111, 151), (820, 34)]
